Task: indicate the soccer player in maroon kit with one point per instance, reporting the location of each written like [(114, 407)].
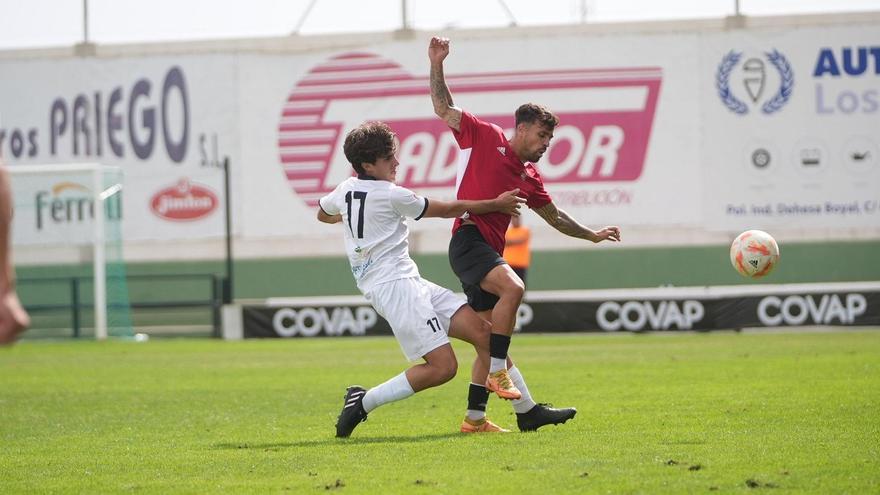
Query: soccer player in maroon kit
[(495, 165)]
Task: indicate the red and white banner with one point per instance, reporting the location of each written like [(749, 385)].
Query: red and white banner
[(606, 119)]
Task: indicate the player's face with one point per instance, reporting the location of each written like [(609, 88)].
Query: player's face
[(385, 168), (536, 139)]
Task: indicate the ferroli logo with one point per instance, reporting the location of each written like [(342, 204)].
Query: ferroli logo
[(184, 201), (636, 316), (816, 309), (332, 321), (605, 115), (70, 203)]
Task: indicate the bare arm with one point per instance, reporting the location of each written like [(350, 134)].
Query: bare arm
[(7, 274), (438, 49), (507, 203), (13, 317), (324, 217), (562, 221)]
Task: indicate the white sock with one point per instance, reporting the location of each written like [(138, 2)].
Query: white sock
[(394, 389), (524, 403), (475, 415), (496, 364)]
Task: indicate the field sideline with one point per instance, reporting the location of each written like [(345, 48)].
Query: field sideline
[(722, 412)]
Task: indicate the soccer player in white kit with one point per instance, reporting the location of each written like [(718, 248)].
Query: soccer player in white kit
[(373, 212)]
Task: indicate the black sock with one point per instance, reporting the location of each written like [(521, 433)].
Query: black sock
[(478, 395), (498, 345)]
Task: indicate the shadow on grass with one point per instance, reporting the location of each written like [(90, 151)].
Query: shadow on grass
[(324, 442)]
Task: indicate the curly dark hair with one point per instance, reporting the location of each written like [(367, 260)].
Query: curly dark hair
[(367, 143), (531, 113)]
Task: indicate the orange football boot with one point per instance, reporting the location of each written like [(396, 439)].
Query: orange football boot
[(500, 383), (481, 426)]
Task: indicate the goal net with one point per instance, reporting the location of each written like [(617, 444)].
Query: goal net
[(68, 217)]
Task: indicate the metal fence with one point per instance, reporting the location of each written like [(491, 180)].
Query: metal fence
[(173, 304)]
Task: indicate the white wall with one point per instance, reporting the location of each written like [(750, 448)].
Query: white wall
[(683, 171)]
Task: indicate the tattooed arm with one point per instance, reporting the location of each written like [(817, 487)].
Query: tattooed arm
[(563, 222), (440, 95)]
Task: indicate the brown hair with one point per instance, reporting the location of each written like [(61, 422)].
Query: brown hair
[(531, 113), (367, 143)]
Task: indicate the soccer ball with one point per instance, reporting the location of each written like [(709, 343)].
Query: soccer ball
[(754, 253)]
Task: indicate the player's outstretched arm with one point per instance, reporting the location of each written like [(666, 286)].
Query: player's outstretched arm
[(562, 221), (438, 49), (324, 217), (508, 203)]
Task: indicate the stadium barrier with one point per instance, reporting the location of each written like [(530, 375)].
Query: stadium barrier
[(59, 305), (633, 310)]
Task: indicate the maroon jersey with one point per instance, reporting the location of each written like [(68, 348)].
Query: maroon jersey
[(491, 168)]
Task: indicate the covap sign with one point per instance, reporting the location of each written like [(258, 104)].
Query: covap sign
[(606, 116), (312, 321)]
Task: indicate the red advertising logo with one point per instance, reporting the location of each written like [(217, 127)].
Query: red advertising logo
[(605, 115), (184, 202)]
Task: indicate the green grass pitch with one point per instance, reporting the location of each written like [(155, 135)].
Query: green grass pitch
[(680, 413)]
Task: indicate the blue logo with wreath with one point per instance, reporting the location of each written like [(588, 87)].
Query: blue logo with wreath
[(754, 81)]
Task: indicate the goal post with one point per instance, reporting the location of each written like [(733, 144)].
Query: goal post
[(71, 214)]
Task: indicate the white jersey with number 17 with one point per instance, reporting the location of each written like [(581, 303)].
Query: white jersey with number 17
[(374, 216)]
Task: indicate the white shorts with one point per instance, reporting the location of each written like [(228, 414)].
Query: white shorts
[(419, 312)]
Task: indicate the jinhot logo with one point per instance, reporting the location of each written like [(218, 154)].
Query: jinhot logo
[(183, 202)]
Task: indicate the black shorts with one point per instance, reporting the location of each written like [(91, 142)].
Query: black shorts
[(472, 258)]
